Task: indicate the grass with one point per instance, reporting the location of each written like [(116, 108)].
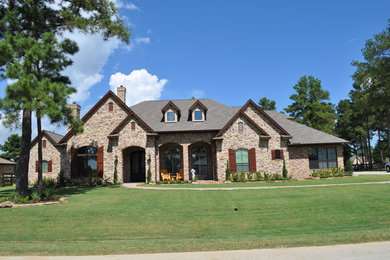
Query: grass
[(354, 179), (115, 220)]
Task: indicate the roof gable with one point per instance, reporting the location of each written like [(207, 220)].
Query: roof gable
[(125, 121), (198, 103), (85, 118), (250, 102), (170, 104), (237, 115), (53, 138)]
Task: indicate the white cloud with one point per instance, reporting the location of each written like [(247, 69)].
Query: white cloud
[(140, 85), (197, 93), (88, 64), (129, 6), (142, 40)]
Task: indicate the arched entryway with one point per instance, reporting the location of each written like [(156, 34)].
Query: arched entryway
[(134, 164), (201, 160)]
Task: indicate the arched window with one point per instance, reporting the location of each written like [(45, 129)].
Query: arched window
[(242, 160), (173, 159), (199, 159), (87, 161), (240, 127)]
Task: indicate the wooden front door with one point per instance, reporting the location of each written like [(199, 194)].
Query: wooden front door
[(137, 166)]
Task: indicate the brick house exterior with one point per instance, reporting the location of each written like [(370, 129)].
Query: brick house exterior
[(180, 135)]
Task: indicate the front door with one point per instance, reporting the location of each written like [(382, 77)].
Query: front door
[(137, 166)]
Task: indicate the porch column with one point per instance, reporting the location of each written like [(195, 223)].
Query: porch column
[(185, 162)]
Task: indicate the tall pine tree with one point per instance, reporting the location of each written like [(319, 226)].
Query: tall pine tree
[(31, 54), (310, 106)]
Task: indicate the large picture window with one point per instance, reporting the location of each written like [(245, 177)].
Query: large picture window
[(173, 160), (242, 160), (199, 159), (87, 161), (322, 158)]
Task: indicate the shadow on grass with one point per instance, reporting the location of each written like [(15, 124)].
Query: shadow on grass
[(60, 191)]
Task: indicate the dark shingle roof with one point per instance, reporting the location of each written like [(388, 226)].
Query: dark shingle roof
[(56, 137), (216, 117), (303, 134)]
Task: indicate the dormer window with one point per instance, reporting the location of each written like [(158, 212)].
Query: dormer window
[(198, 115), (171, 116), (197, 112), (171, 113)]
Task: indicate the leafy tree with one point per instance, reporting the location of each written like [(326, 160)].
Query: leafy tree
[(32, 55), (267, 104), (309, 105), (373, 73), (11, 147)]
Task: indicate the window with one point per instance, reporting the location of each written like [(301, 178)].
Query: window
[(132, 125), (322, 158), (43, 143), (110, 107), (198, 115), (173, 160), (199, 159), (171, 116), (242, 160), (240, 127), (45, 166), (87, 161)]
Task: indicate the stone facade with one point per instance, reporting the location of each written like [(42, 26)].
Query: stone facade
[(49, 153), (111, 125)]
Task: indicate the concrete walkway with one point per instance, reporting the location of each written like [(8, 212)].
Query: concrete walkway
[(372, 173), (136, 186), (375, 250)]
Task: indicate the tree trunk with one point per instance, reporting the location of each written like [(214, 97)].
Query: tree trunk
[(22, 173), (40, 182), (380, 146), (368, 144)]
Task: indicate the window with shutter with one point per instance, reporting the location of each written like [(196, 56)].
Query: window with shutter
[(132, 125), (43, 143), (50, 166), (110, 106), (240, 127)]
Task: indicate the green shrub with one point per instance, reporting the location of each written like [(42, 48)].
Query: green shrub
[(242, 177), (149, 177), (235, 176), (227, 171), (285, 172), (61, 180), (258, 176), (107, 181), (47, 193), (276, 176), (267, 176), (290, 177), (348, 168), (315, 173), (195, 179), (158, 182), (48, 182), (186, 181), (165, 182), (249, 176), (35, 196), (115, 172)]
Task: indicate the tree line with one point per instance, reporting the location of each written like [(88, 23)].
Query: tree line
[(360, 117)]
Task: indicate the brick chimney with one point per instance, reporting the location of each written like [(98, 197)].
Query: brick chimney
[(121, 93), (75, 112)]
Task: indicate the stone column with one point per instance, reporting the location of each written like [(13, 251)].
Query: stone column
[(185, 162)]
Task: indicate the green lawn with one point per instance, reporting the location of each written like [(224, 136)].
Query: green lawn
[(354, 179), (115, 220)]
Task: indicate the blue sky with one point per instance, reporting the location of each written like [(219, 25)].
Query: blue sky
[(230, 51)]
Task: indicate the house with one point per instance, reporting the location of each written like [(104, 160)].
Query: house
[(7, 166), (180, 135)]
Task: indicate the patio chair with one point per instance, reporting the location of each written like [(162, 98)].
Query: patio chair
[(165, 175), (180, 175)]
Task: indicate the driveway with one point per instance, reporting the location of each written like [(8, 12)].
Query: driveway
[(374, 250), (371, 172)]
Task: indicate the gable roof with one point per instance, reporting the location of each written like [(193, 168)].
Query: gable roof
[(238, 114), (302, 134), (217, 116), (170, 104), (95, 107), (54, 138), (124, 121), (250, 102), (6, 162), (198, 103)]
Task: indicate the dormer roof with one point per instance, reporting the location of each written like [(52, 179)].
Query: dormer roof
[(196, 104), (168, 105)]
